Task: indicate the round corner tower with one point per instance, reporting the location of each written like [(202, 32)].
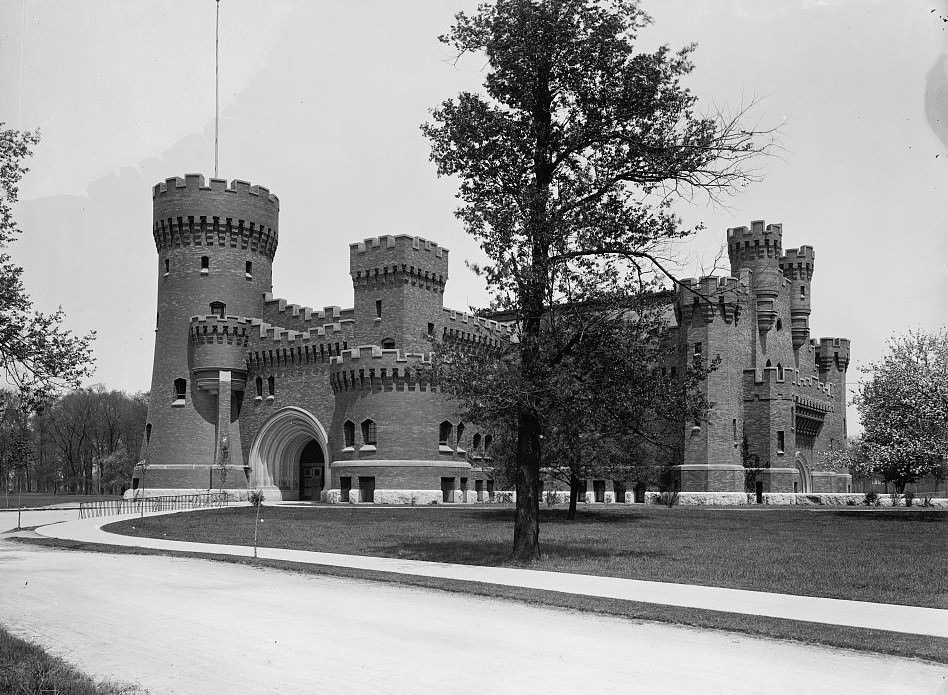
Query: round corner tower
[(216, 244)]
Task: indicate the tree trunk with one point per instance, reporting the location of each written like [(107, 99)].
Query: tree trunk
[(573, 496), (527, 519)]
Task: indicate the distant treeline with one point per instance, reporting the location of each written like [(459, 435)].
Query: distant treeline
[(85, 441)]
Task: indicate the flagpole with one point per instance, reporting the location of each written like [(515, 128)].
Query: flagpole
[(217, 107)]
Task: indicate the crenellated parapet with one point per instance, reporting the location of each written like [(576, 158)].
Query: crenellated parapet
[(797, 264), (279, 311), (474, 331), (751, 247), (370, 368), (216, 344), (832, 353), (389, 261), (709, 297), (188, 213)]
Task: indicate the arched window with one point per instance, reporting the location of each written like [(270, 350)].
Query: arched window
[(205, 263), (271, 386), (487, 441), (779, 372), (148, 434), (218, 309), (779, 324), (476, 441), (368, 432), (349, 433), (460, 433), (768, 365), (180, 389), (444, 433), (259, 383), (388, 344)]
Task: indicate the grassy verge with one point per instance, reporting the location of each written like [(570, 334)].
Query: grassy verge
[(27, 669), (859, 639), (880, 555)]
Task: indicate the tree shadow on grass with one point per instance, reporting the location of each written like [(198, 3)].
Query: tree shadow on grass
[(496, 553), (885, 515)]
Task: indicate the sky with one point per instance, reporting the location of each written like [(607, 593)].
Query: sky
[(321, 102)]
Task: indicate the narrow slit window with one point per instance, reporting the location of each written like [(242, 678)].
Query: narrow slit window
[(248, 269), (271, 386), (259, 384), (802, 291), (205, 263), (780, 441), (148, 433), (167, 266), (378, 308), (460, 433), (430, 329)]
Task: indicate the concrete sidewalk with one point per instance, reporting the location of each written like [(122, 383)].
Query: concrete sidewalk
[(877, 616)]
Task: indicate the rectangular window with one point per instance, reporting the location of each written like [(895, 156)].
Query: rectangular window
[(248, 270), (167, 266), (802, 291), (780, 441), (698, 349), (430, 329), (378, 308), (205, 262), (734, 430)]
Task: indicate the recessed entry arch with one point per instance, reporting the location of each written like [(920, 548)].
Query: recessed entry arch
[(803, 470), (276, 451)]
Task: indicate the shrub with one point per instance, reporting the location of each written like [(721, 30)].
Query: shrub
[(255, 497), (909, 498), (850, 502), (927, 501), (550, 498), (896, 499), (871, 499), (669, 498)]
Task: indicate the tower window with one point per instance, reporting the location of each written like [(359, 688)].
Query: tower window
[(248, 269), (430, 329), (388, 344), (167, 266), (734, 430), (205, 263), (368, 432), (698, 350), (271, 386), (460, 433), (780, 441), (259, 384), (349, 433), (148, 433), (218, 309), (476, 441), (779, 372), (180, 389), (378, 308), (487, 441), (779, 324), (802, 291), (444, 433)]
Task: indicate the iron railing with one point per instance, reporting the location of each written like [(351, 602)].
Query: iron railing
[(166, 503)]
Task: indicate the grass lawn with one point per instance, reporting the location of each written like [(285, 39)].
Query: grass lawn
[(42, 499), (26, 668), (881, 555)]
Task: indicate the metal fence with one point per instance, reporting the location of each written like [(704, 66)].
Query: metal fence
[(167, 503)]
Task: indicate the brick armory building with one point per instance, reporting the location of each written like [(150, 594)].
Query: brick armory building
[(336, 404)]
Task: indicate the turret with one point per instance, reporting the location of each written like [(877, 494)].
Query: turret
[(398, 283), (832, 354), (215, 243), (758, 249), (712, 297), (797, 268)]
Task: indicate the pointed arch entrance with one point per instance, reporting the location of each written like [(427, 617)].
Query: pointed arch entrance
[(289, 455)]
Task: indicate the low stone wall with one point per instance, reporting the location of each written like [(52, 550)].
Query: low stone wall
[(704, 498)]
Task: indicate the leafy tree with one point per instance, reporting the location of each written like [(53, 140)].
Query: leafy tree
[(903, 405), (37, 355), (568, 166)]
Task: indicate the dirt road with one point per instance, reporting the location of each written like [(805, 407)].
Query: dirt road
[(192, 626)]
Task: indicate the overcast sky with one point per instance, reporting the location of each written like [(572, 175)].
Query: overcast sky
[(321, 102)]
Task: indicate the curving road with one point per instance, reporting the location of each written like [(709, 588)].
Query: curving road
[(192, 626)]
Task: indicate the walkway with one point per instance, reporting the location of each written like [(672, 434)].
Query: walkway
[(878, 616)]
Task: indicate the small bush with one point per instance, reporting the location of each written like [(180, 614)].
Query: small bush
[(909, 498), (850, 502), (550, 498), (872, 499), (669, 498), (927, 501), (896, 500), (255, 497)]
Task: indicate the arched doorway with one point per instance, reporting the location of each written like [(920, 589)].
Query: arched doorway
[(285, 450)]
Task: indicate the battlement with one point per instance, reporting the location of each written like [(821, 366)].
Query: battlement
[(189, 213), (194, 183), (797, 264), (404, 254), (466, 322), (710, 296), (370, 368), (748, 246), (766, 380), (218, 343), (303, 316), (832, 352)]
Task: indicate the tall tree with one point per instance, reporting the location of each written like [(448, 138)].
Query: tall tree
[(568, 165), (37, 355), (903, 405)]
